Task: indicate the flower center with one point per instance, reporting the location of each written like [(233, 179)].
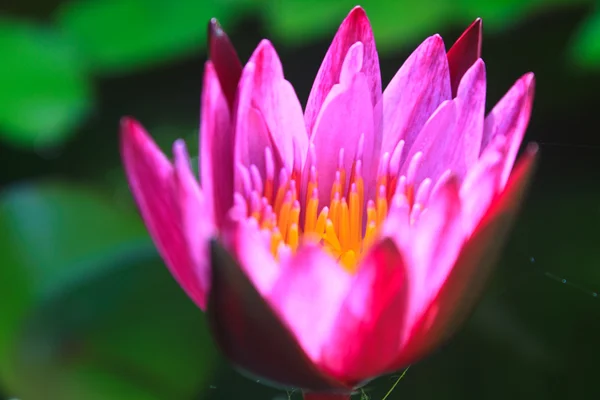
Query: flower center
[(346, 226)]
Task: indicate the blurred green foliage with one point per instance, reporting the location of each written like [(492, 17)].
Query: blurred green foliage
[(44, 89), (93, 312)]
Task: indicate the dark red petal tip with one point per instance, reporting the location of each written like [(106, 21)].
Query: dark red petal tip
[(464, 52), (225, 59)]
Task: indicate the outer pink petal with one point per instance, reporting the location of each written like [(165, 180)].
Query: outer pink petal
[(216, 150), (308, 297), (355, 28), (151, 179), (196, 223), (368, 327), (275, 100), (250, 333), (226, 62), (463, 286), (464, 52), (437, 239), (345, 116), (482, 184), (509, 118), (417, 89)]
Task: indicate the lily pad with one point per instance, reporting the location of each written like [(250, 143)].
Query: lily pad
[(45, 91)]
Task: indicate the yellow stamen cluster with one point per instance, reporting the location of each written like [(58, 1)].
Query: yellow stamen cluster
[(337, 226)]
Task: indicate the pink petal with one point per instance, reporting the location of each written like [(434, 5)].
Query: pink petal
[(471, 96), (196, 223), (482, 183), (437, 239), (251, 249), (251, 335), (369, 324), (152, 181), (355, 28), (216, 151), (414, 93), (509, 118), (463, 286), (345, 116), (226, 62), (308, 297), (275, 100), (251, 132), (464, 52), (439, 143), (450, 139)]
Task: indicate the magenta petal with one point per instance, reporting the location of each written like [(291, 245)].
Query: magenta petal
[(469, 127), (463, 286), (345, 116), (368, 327), (414, 93), (276, 101), (509, 118), (464, 52), (308, 297), (355, 28), (151, 179), (224, 57), (440, 143), (451, 138), (481, 184), (251, 335), (251, 131), (197, 224), (216, 151), (438, 238)]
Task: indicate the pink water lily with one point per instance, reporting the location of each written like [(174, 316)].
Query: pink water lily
[(347, 241)]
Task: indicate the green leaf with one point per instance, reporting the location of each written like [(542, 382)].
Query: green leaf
[(89, 310), (119, 35), (585, 49), (45, 93)]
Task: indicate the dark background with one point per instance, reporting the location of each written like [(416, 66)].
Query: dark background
[(88, 311)]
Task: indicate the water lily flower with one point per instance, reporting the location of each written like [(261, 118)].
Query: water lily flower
[(331, 246)]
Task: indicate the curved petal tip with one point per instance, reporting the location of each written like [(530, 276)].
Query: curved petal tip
[(464, 52), (225, 59)]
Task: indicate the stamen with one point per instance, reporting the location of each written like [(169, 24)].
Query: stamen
[(292, 237), (413, 166), (255, 205), (344, 225), (332, 239), (281, 190), (333, 212), (245, 180), (284, 214), (312, 207), (423, 192), (276, 239), (257, 182), (270, 172), (382, 207), (355, 220), (341, 170), (321, 222)]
